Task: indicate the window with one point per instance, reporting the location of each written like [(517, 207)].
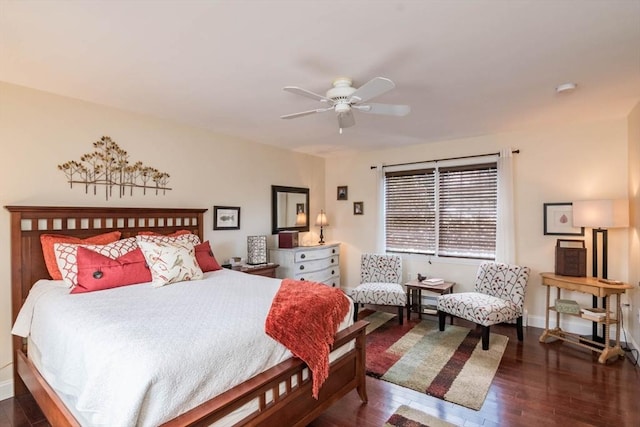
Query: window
[(444, 211)]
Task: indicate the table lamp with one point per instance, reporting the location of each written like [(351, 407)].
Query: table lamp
[(321, 220)]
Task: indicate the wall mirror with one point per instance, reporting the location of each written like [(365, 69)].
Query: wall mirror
[(289, 209)]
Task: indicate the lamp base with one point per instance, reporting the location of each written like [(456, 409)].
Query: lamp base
[(321, 242)]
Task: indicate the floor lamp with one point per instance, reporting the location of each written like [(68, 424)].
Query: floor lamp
[(600, 215)]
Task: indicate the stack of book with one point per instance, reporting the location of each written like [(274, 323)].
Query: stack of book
[(433, 281), (593, 314)]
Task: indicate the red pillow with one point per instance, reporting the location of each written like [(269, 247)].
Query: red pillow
[(205, 258), (153, 233), (97, 272), (48, 240)]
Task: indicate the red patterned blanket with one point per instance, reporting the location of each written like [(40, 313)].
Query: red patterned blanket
[(304, 317)]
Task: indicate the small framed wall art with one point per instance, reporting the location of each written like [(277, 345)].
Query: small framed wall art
[(558, 220), (358, 208), (343, 192), (226, 218)]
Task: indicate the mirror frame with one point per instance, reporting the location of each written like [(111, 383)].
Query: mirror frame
[(275, 189)]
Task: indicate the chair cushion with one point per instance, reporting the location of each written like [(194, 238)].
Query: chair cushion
[(379, 294), (485, 310)]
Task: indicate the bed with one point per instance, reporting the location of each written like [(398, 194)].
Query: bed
[(281, 395)]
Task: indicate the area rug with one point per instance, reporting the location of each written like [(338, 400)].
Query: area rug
[(449, 365), (409, 417)]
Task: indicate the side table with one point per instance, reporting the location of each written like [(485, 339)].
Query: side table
[(267, 270), (414, 297)]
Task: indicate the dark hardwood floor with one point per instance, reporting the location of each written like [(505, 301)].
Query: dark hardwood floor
[(536, 385)]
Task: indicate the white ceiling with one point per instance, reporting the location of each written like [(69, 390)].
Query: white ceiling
[(465, 67)]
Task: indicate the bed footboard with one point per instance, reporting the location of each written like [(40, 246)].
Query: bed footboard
[(283, 393)]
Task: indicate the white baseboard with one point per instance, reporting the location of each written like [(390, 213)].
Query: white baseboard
[(6, 389)]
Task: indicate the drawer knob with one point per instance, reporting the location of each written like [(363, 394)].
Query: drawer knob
[(303, 256), (302, 267), (333, 272), (333, 251), (302, 279), (332, 260)]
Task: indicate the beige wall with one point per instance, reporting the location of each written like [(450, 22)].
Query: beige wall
[(634, 219), (38, 131), (559, 164)]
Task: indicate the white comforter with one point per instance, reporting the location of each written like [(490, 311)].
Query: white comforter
[(138, 355)]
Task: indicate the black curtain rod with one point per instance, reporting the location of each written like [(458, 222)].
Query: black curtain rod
[(442, 160)]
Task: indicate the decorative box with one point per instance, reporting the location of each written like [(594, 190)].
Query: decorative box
[(567, 306), (571, 258), (288, 239)]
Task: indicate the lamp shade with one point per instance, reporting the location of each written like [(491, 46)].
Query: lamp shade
[(601, 213), (321, 219)]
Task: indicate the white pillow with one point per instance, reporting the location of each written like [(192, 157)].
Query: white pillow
[(170, 262), (67, 256)]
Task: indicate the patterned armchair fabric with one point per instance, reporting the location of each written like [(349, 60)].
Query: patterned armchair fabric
[(498, 297), (380, 278)]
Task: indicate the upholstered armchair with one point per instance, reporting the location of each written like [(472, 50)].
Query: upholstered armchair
[(498, 297), (380, 278)]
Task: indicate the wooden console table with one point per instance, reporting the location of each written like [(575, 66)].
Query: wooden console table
[(587, 285)]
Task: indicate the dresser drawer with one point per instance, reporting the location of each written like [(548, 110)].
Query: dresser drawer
[(319, 264), (329, 276), (311, 254)]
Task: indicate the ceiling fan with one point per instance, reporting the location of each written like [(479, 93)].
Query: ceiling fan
[(344, 98)]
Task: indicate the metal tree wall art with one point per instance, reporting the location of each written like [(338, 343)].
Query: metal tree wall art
[(109, 166)]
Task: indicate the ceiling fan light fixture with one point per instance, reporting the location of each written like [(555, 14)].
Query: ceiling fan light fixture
[(342, 108)]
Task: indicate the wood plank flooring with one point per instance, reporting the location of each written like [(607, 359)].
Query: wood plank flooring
[(536, 385)]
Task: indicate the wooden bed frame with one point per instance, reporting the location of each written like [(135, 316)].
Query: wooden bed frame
[(283, 394)]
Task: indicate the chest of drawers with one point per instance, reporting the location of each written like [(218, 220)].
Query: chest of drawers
[(314, 263)]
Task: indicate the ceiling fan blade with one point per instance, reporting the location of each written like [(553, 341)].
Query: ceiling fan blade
[(374, 87), (346, 120), (305, 113), (387, 109), (308, 94)]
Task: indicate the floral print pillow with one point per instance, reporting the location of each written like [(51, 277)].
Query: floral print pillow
[(170, 262)]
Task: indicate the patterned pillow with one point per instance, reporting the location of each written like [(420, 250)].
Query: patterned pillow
[(48, 240), (174, 234), (189, 238), (67, 256), (171, 262)]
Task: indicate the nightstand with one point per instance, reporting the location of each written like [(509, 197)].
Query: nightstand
[(267, 270)]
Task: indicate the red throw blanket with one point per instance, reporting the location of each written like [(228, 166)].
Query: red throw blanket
[(304, 317)]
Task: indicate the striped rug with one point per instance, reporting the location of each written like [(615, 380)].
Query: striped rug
[(449, 365), (406, 416)]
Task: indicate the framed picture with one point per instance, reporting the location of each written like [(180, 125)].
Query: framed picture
[(558, 220), (299, 208), (226, 218), (358, 208), (342, 193)]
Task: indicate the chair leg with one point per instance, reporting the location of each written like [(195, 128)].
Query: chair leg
[(401, 314), (519, 328), (442, 319), (485, 338), (355, 312)]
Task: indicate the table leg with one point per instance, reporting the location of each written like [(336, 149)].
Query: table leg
[(544, 335)]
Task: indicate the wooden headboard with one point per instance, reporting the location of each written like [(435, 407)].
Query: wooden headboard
[(29, 222)]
